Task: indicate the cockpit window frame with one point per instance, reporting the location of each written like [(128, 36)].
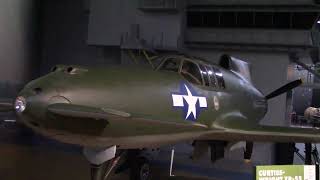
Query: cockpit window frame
[(220, 82), (215, 81), (197, 64), (168, 58), (204, 74), (211, 76)]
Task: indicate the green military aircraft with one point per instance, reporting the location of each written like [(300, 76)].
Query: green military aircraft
[(112, 109)]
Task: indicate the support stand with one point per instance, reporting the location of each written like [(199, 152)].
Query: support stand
[(171, 163), (308, 149)]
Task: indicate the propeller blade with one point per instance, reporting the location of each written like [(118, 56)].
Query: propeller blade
[(284, 89), (6, 106)]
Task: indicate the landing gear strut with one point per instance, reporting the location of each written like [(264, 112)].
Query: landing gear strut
[(102, 171), (104, 161)]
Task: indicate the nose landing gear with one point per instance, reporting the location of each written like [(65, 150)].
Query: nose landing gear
[(103, 163), (102, 171)]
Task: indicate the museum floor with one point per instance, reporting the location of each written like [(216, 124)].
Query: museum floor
[(24, 156)]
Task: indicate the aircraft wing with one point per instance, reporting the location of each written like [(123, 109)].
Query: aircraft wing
[(120, 118), (78, 111), (240, 129), (235, 128), (91, 126)]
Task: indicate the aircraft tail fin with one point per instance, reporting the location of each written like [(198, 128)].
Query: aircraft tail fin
[(238, 66)]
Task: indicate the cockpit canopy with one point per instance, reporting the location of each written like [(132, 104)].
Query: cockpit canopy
[(195, 72)]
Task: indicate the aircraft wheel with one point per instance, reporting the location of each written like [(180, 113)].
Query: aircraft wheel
[(141, 170)]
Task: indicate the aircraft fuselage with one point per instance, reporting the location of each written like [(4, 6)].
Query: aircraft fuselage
[(144, 93)]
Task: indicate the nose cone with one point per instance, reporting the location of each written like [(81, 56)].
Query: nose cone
[(32, 110), (30, 99), (20, 104), (32, 102)]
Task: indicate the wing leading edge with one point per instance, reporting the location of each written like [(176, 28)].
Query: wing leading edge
[(235, 128), (116, 127), (238, 128), (116, 116)]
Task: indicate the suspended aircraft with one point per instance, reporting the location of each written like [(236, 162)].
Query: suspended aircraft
[(114, 112)]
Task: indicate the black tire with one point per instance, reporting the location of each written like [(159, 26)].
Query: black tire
[(140, 170)]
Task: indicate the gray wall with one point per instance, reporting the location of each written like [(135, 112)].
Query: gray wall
[(115, 22), (265, 37), (64, 37), (17, 44)]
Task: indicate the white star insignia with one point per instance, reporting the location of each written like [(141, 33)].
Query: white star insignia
[(191, 101)]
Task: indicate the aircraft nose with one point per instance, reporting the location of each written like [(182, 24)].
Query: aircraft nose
[(33, 100), (20, 104), (31, 105), (34, 97)]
